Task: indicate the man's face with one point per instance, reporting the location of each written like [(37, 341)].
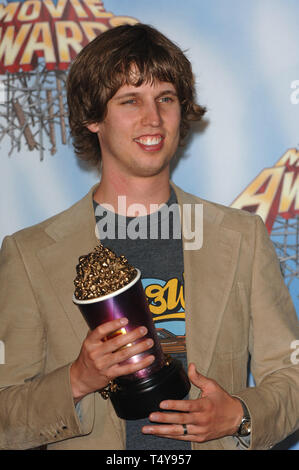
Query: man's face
[(141, 130)]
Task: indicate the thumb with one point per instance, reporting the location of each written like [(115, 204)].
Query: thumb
[(199, 380)]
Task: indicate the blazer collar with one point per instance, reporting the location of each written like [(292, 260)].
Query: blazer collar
[(79, 218)]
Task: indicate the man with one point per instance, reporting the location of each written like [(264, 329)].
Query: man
[(131, 100)]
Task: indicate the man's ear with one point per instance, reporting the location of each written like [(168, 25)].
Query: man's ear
[(93, 127)]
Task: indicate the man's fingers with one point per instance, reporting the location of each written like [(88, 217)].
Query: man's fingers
[(197, 405), (124, 369), (171, 430), (125, 353), (112, 336), (205, 384), (102, 331), (128, 343), (119, 351), (176, 431), (196, 378), (171, 418)]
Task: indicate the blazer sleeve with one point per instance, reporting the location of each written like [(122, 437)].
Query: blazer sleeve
[(35, 407), (274, 402)]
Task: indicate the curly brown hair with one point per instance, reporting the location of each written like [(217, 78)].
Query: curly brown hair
[(105, 65)]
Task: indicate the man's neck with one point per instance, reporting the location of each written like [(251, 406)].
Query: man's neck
[(146, 191)]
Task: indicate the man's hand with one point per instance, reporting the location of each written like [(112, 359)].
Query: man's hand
[(101, 360), (215, 414)]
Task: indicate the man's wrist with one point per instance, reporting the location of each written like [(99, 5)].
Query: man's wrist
[(76, 392)]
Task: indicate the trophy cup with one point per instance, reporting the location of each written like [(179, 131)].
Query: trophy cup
[(136, 395)]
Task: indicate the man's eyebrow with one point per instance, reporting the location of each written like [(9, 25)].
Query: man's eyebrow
[(126, 95), (168, 92), (134, 94)]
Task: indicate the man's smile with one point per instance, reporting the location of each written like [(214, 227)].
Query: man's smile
[(150, 142)]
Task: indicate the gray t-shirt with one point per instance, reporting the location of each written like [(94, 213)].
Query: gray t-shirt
[(153, 244)]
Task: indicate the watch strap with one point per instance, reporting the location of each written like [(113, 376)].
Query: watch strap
[(245, 410)]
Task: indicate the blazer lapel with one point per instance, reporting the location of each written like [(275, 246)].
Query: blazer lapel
[(209, 276), (74, 234)]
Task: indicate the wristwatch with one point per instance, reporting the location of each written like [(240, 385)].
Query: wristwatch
[(245, 425)]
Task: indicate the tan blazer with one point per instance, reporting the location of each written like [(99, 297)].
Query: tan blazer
[(236, 304)]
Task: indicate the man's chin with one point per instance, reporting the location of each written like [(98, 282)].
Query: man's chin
[(149, 172), (150, 169)]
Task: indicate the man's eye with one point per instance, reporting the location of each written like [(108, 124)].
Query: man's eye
[(166, 99), (130, 101)]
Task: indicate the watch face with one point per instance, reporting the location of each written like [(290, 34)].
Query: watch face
[(245, 427)]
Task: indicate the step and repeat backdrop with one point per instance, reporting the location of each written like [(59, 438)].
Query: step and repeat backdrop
[(245, 154)]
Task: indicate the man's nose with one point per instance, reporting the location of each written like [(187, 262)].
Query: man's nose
[(151, 115)]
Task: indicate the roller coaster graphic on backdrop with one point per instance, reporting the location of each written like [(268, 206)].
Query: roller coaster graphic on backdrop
[(274, 195), (38, 41)]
